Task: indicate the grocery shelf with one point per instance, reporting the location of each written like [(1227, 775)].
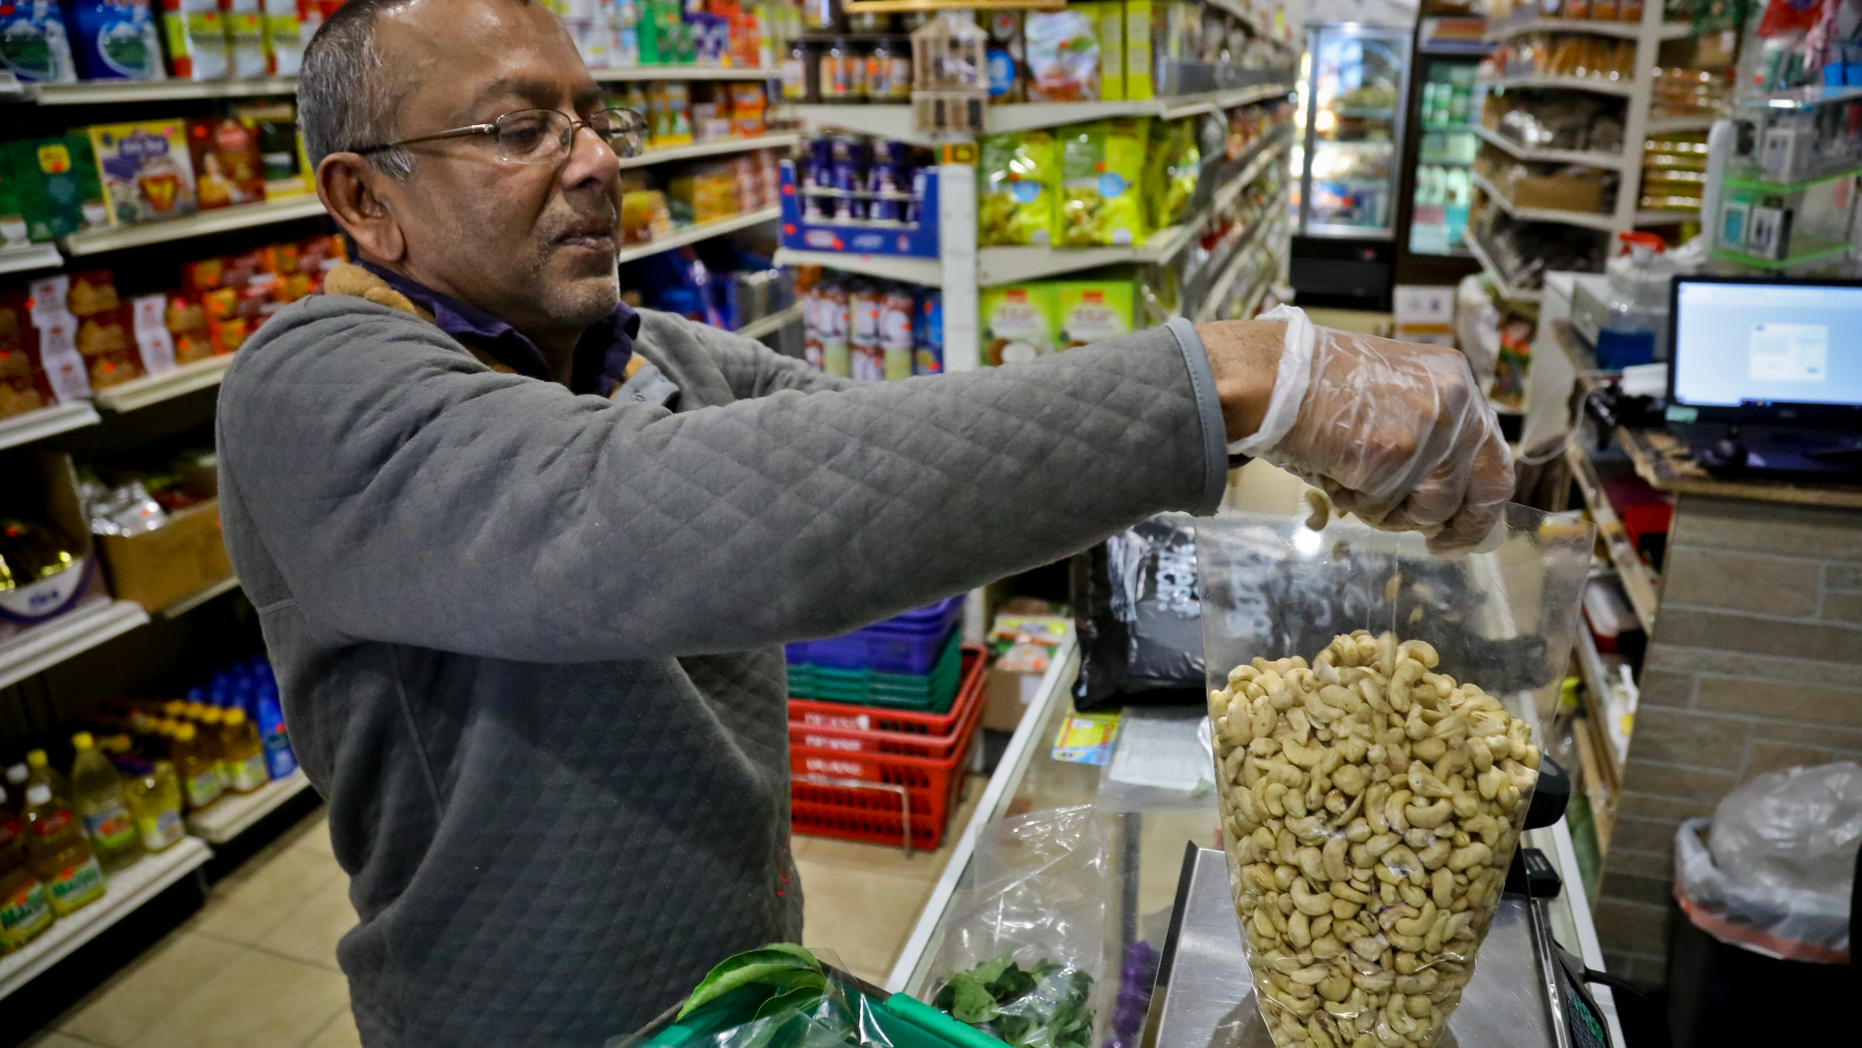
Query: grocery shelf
[(1638, 582), (1597, 27), (1261, 26), (153, 389), (28, 257), (235, 813), (773, 323), (41, 647), (1666, 218), (1232, 269), (29, 426), (1508, 289), (219, 220), (1553, 156), (925, 271), (95, 91), (128, 889), (1661, 124), (693, 234), (1599, 688), (684, 72), (723, 145), (895, 122), (1588, 219), (1008, 265), (1573, 83), (200, 596)]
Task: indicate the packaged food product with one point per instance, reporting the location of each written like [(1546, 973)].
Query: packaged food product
[(59, 192), (1139, 18), (895, 332), (1091, 311), (186, 322), (245, 38), (1020, 176), (889, 72), (841, 79), (928, 334), (1018, 322), (866, 303), (145, 170), (13, 232), (1005, 56), (644, 215), (198, 46), (22, 386), (155, 344), (274, 132), (114, 39), (1063, 54), (1109, 17), (748, 105), (225, 155), (33, 43), (1102, 164), (284, 37), (835, 325)]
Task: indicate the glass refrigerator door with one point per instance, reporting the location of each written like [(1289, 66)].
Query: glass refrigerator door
[(1444, 157), (1354, 138)]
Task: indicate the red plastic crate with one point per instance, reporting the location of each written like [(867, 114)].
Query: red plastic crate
[(822, 714), (875, 815), (857, 729)]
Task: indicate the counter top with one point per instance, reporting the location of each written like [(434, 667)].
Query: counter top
[(1668, 465)]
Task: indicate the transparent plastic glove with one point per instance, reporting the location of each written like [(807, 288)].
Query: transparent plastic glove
[(1395, 432)]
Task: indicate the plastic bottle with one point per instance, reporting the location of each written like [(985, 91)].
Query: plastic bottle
[(200, 781), (16, 775), (57, 853), (208, 726), (242, 751), (280, 758), (97, 796), (154, 795), (40, 771), (24, 913)]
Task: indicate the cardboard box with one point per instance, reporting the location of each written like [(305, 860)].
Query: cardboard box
[(43, 486), (1006, 696), (157, 568)]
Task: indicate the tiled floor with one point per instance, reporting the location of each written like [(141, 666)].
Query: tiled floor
[(257, 967)]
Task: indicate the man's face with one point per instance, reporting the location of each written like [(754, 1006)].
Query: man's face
[(533, 244)]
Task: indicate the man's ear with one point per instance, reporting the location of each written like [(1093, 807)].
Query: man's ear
[(352, 192)]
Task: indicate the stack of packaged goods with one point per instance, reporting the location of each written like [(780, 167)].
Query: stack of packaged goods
[(622, 34), (880, 721), (859, 327), (715, 282), (108, 176), (1674, 172), (861, 180), (65, 336), (680, 113)]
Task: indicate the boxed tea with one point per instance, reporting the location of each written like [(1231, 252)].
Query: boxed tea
[(146, 174), (227, 163)]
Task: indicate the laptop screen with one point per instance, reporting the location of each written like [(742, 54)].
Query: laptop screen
[(1755, 344)]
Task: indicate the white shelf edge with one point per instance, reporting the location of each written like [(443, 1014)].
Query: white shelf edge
[(234, 814), (907, 268), (1574, 83), (895, 121), (1597, 27), (92, 92), (30, 257), (1664, 124), (198, 597), (694, 234), (203, 223), (1666, 218), (773, 323), (1603, 222), (887, 121), (1613, 161), (1492, 268), (618, 74), (44, 646), (777, 140), (126, 891), (28, 426), (153, 389)]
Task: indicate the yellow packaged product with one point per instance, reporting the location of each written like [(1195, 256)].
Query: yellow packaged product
[(1102, 168), (1020, 184)]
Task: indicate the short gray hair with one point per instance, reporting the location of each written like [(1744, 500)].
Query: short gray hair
[(346, 98)]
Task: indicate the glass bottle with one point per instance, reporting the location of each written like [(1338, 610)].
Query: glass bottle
[(836, 77), (97, 796), (795, 72), (58, 855)]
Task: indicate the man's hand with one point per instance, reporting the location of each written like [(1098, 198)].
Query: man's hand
[(1396, 432)]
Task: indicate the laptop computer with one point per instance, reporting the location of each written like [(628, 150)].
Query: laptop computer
[(1765, 375)]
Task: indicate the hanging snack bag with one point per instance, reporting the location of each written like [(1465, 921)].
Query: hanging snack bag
[(225, 154), (145, 169), (1018, 322), (1063, 55), (1020, 185), (1092, 311), (1102, 165)]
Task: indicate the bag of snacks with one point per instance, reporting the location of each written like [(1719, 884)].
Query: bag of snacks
[(1372, 708), (1063, 55), (1101, 169), (1020, 178)]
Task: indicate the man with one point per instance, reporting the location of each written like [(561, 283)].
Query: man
[(523, 556)]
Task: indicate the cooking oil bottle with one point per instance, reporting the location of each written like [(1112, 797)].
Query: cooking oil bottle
[(207, 720), (24, 912), (57, 853), (40, 770), (154, 795), (200, 781), (97, 794), (242, 751)]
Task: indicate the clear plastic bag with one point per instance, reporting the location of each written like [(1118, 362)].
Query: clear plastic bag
[(1025, 953), (1372, 709), (1776, 874)]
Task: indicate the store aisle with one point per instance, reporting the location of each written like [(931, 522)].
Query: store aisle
[(257, 967)]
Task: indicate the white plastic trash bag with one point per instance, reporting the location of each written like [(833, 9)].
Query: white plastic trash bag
[(1776, 870)]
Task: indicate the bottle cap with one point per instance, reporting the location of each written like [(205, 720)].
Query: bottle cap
[(16, 773), (83, 741), (209, 715), (234, 716), (184, 732), (36, 758), (40, 793)]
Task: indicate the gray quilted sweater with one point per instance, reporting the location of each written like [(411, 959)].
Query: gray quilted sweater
[(527, 639)]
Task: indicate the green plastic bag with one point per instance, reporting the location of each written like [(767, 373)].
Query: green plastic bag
[(1102, 173), (1019, 183)]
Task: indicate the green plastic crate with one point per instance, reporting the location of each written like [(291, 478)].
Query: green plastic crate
[(931, 693)]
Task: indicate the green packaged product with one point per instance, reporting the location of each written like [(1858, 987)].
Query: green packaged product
[(12, 216), (1018, 322), (58, 189), (1182, 168), (1088, 311), (1101, 174), (1020, 178)]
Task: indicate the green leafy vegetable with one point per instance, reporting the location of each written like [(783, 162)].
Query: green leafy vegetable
[(1041, 1007), (779, 964)]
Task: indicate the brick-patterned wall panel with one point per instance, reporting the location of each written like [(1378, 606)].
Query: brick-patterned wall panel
[(1756, 665)]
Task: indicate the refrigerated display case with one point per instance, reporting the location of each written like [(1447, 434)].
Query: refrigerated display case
[(1436, 188), (1352, 90)]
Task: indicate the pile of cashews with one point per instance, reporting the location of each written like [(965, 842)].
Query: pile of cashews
[(1370, 807)]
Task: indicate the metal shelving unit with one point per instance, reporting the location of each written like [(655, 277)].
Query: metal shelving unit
[(234, 814), (203, 223), (29, 426), (1542, 214), (153, 389), (1552, 156), (1494, 273)]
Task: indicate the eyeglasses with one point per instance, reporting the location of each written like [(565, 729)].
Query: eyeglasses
[(544, 136)]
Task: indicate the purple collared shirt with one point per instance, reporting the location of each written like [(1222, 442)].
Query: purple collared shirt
[(599, 362)]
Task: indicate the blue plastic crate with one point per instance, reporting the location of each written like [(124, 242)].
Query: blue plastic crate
[(907, 643)]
